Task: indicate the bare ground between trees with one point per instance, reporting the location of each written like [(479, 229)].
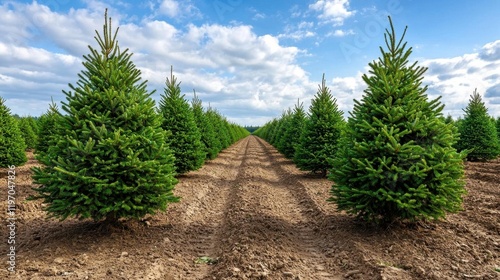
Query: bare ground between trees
[(250, 214)]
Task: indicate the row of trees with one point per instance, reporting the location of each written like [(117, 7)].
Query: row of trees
[(396, 156), (113, 154)]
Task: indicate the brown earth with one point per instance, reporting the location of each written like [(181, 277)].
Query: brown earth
[(250, 214)]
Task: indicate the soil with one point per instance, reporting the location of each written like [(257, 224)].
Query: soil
[(251, 214)]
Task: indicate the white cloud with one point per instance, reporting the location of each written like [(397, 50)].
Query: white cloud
[(298, 32), (169, 8), (335, 11), (340, 33)]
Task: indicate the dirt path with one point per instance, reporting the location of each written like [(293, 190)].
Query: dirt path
[(250, 214)]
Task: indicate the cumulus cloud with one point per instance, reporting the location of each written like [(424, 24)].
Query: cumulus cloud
[(169, 8), (335, 11), (491, 51)]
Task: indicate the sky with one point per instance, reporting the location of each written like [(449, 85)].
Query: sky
[(251, 60)]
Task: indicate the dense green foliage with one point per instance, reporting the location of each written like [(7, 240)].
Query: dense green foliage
[(478, 134), (206, 128), (293, 130), (48, 124), (322, 130), (111, 160), (179, 121), (396, 160), (497, 123), (12, 146), (29, 131)]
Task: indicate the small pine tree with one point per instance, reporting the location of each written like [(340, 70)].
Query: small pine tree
[(293, 131), (449, 119), (48, 124), (111, 160), (498, 127), (478, 134), (179, 120), (396, 160), (29, 131), (322, 130), (12, 146), (206, 128), (279, 133)]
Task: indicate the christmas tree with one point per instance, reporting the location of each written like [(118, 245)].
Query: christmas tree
[(478, 135), (322, 130), (396, 160), (12, 146), (206, 128), (498, 127), (111, 158), (293, 131), (179, 121), (29, 130), (48, 124)]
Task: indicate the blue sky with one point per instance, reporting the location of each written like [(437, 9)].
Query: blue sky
[(252, 59)]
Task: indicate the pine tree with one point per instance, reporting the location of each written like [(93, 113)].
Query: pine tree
[(293, 131), (279, 134), (48, 124), (179, 120), (498, 127), (449, 119), (396, 160), (12, 146), (322, 130), (478, 134), (29, 131), (206, 128), (112, 158)]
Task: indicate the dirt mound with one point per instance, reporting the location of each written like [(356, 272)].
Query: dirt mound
[(250, 214)]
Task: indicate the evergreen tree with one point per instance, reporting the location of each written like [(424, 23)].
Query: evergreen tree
[(478, 133), (498, 127), (48, 124), (12, 146), (112, 158), (322, 130), (213, 119), (206, 128), (293, 131), (449, 119), (29, 131), (179, 120), (396, 160), (279, 133)]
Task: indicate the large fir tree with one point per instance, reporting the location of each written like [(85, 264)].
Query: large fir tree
[(478, 135), (322, 130), (179, 120), (396, 160), (112, 158), (12, 146)]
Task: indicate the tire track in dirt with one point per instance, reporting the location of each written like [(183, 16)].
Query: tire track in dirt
[(272, 227), (195, 222)]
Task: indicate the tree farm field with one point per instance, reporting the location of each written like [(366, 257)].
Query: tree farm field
[(251, 214)]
